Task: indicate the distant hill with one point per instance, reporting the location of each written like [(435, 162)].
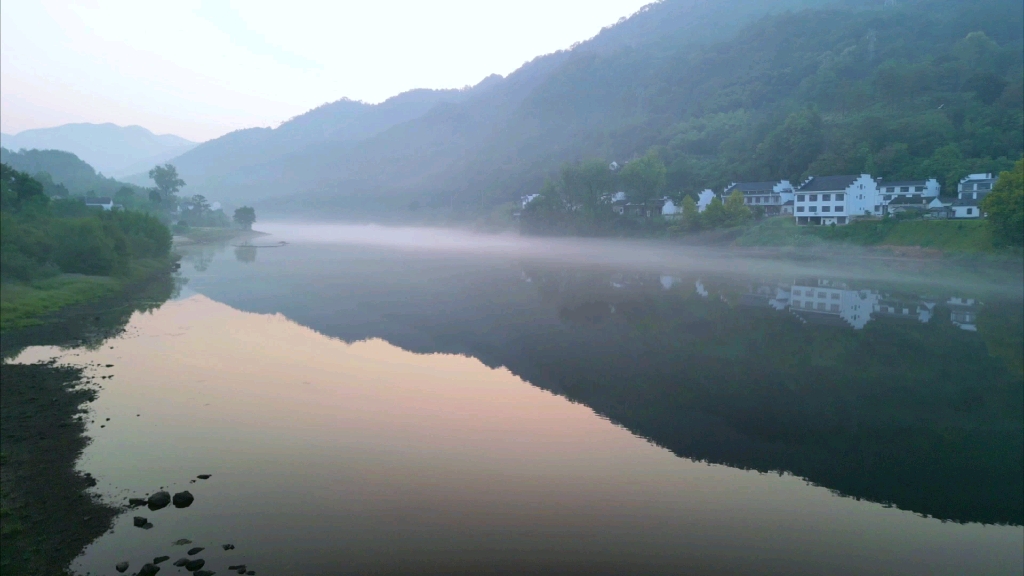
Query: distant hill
[(722, 91), (56, 167), (111, 149)]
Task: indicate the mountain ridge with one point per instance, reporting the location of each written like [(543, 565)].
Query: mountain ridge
[(111, 149)]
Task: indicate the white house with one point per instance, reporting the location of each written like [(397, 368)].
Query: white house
[(829, 302), (704, 197), (771, 195), (900, 191), (670, 210), (969, 193), (101, 202), (826, 200), (963, 313)]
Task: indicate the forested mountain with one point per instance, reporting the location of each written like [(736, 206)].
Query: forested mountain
[(721, 91), (61, 173), (113, 150)]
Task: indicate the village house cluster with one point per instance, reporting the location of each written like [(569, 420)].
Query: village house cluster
[(824, 200)]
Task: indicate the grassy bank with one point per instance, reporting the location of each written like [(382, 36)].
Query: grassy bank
[(30, 303), (949, 236)]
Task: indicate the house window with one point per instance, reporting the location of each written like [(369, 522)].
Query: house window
[(919, 189), (985, 186), (839, 208), (835, 296), (796, 304), (825, 209), (890, 189), (839, 197), (887, 197), (835, 307), (813, 209), (826, 196), (814, 197), (904, 188), (799, 197), (821, 294), (820, 306), (799, 208), (970, 211)]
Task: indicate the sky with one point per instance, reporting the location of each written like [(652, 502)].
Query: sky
[(202, 68)]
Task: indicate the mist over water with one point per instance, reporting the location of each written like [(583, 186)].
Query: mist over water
[(849, 263)]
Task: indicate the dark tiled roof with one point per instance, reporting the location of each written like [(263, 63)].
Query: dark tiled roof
[(750, 187), (828, 183), (787, 203), (100, 200), (882, 183), (966, 202)]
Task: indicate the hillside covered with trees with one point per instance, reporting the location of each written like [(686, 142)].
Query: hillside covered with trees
[(58, 251), (719, 92)]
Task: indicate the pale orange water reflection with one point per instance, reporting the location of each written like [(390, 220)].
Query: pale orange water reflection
[(330, 457)]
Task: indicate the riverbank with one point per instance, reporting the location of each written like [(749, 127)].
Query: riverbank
[(928, 237), (30, 303), (46, 514), (214, 236)]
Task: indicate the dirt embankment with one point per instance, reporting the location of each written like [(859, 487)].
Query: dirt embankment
[(47, 516)]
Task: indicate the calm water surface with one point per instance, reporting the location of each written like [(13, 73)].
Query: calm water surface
[(380, 409)]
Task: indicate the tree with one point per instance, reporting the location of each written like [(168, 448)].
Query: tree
[(154, 196), (18, 188), (644, 178), (790, 148), (584, 183), (691, 214), (244, 217), (167, 181), (736, 211), (125, 196), (714, 215), (1005, 207), (200, 203)]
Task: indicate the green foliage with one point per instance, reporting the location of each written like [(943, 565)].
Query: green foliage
[(166, 179), (644, 178), (244, 217), (41, 237), (1004, 207)]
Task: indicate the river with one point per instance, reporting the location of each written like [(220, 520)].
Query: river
[(373, 400)]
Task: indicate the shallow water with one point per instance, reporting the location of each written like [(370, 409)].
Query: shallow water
[(419, 406)]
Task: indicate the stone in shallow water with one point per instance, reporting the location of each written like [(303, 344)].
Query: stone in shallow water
[(196, 550), (194, 565), (160, 559), (204, 476), (183, 499), (136, 501), (205, 573), (148, 570), (228, 546), (121, 566), (159, 500), (139, 521), (181, 562), (181, 542)]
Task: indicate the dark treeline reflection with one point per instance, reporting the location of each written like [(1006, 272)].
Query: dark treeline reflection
[(908, 399), (915, 409)]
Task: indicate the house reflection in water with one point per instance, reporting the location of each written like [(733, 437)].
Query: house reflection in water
[(824, 301)]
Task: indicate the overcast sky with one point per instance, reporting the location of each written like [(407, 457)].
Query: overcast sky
[(200, 68)]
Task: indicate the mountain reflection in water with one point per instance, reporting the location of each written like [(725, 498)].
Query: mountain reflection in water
[(383, 410)]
